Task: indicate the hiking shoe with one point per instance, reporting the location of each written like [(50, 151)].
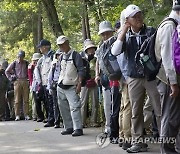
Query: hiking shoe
[(135, 148), (68, 131), (17, 118), (77, 132)]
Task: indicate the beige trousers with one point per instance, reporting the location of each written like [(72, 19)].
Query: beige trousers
[(21, 94), (125, 114), (137, 89)]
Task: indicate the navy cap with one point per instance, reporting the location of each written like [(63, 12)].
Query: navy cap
[(21, 53), (43, 42)]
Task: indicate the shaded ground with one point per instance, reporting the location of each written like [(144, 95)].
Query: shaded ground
[(29, 137)]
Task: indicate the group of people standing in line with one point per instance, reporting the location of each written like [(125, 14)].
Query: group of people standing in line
[(63, 81)]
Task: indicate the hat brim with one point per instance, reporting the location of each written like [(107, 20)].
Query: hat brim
[(105, 30), (176, 8), (132, 14), (61, 42), (38, 46), (35, 58), (90, 46)]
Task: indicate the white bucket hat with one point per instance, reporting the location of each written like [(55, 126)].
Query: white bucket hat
[(131, 10), (89, 44), (61, 39), (105, 26), (36, 56)]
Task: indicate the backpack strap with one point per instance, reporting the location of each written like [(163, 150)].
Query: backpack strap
[(53, 70), (74, 57)]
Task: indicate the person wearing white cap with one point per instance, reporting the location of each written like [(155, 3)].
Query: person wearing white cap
[(53, 77), (69, 86), (169, 83), (31, 66), (132, 35), (89, 86)]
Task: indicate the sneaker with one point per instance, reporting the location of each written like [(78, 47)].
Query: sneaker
[(17, 118), (135, 148), (27, 118), (67, 131), (77, 132)]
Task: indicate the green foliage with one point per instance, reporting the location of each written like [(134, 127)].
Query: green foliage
[(16, 20)]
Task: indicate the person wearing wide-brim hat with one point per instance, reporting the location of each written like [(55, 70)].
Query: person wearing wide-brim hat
[(89, 87), (31, 67)]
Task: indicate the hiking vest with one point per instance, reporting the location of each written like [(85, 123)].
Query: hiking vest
[(68, 74), (131, 47), (45, 68)]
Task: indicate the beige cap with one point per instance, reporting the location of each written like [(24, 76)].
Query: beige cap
[(88, 44), (61, 39)]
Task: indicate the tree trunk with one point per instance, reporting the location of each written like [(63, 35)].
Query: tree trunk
[(53, 17), (37, 30), (85, 22)]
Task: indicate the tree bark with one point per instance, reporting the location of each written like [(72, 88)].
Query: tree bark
[(85, 22), (53, 17)]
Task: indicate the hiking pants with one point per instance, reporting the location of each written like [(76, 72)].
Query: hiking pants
[(107, 107), (70, 107), (114, 118), (56, 108), (125, 114), (84, 95), (21, 93), (170, 123), (138, 87)]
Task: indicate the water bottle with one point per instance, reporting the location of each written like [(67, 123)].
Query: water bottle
[(146, 61)]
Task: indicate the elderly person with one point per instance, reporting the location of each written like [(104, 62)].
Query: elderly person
[(69, 86)]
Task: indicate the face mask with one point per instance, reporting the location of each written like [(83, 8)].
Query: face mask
[(90, 57)]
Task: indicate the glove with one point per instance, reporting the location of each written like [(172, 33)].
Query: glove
[(50, 91)]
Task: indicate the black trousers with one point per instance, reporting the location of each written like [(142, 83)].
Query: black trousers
[(114, 118), (170, 123), (56, 108), (39, 99), (49, 105)]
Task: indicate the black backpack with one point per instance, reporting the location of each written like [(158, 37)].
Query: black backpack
[(146, 59), (110, 61)]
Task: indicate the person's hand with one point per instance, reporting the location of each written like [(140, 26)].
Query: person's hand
[(50, 91), (78, 88), (174, 90), (97, 78)]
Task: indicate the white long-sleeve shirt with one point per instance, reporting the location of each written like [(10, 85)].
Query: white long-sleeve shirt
[(163, 49)]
